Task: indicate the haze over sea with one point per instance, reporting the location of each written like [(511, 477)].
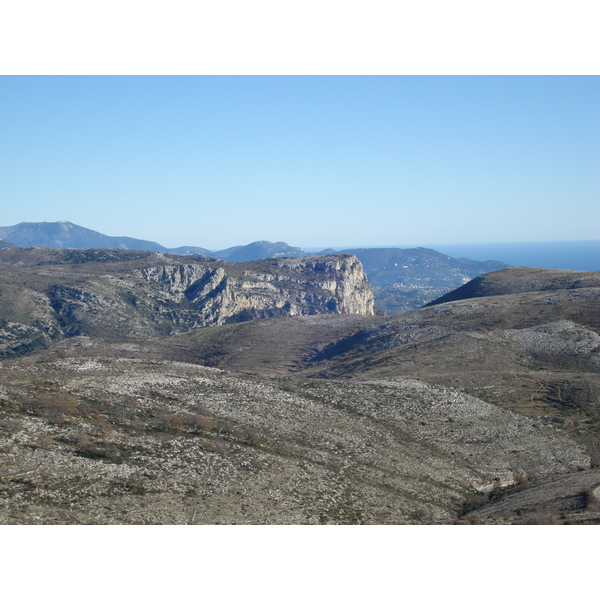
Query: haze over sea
[(574, 256)]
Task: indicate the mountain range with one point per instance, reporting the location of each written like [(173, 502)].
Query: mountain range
[(67, 235), (402, 279)]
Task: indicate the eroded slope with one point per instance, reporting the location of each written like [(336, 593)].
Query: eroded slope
[(133, 441), (140, 295)]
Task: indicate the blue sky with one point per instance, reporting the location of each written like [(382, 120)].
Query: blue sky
[(313, 161)]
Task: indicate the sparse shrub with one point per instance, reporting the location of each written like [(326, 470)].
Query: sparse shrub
[(53, 406), (7, 448), (85, 446), (198, 423), (123, 407), (162, 422), (541, 518), (238, 434), (170, 423), (418, 515), (175, 424), (43, 441), (476, 501), (135, 484), (288, 385), (475, 520), (209, 445), (248, 436), (86, 410), (523, 481), (10, 426), (595, 458), (112, 453), (202, 410), (101, 426), (382, 517), (257, 440), (284, 450)]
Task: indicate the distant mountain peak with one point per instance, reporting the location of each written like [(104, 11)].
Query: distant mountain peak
[(65, 234), (259, 250)]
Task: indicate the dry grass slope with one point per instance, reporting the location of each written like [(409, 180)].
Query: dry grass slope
[(481, 410)]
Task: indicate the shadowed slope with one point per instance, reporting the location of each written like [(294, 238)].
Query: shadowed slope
[(519, 280)]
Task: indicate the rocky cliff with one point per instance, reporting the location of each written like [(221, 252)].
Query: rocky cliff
[(282, 287), (122, 294)]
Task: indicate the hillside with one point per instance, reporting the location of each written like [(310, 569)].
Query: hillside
[(48, 294), (419, 267), (521, 280), (64, 234), (363, 338), (258, 250), (481, 410), (106, 441)]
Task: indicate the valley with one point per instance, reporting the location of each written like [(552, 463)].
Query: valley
[(141, 387)]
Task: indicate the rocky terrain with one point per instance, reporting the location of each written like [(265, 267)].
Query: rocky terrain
[(401, 279), (47, 294), (138, 441), (479, 410)]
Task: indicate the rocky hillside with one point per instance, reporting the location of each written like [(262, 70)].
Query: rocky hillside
[(481, 410), (521, 280), (47, 294), (107, 441)]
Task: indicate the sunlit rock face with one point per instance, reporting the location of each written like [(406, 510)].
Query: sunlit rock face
[(291, 286), (127, 294)]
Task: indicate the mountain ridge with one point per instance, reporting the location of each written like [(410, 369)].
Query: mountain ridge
[(521, 280), (402, 279)]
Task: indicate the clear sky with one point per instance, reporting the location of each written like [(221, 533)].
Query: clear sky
[(216, 161)]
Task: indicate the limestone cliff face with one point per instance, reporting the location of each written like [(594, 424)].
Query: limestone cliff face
[(286, 287), (126, 294), (178, 278)]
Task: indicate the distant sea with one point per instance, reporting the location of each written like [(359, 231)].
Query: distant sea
[(574, 256)]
